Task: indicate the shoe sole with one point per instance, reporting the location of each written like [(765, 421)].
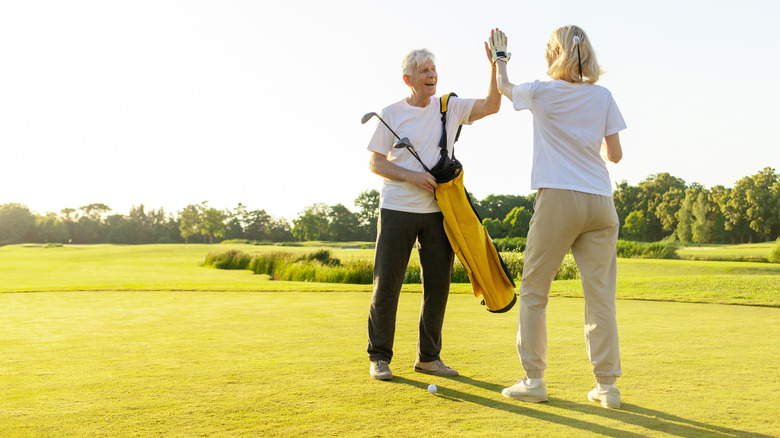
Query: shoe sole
[(382, 377), (526, 398), (433, 373), (604, 404)]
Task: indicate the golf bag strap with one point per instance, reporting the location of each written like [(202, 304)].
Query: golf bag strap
[(443, 142)]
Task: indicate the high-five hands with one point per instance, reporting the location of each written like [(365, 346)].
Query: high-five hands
[(498, 42)]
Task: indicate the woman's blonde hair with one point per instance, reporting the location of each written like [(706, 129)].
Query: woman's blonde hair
[(414, 59), (562, 60)]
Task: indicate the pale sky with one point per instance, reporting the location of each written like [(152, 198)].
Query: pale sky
[(168, 103)]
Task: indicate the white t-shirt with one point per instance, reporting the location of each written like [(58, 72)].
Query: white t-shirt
[(570, 122), (423, 128)]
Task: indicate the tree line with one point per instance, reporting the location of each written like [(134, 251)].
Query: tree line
[(660, 207)]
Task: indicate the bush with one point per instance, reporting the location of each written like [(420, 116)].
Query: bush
[(665, 249), (515, 261), (510, 244), (774, 256), (231, 259)]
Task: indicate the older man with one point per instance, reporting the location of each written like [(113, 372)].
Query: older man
[(409, 212)]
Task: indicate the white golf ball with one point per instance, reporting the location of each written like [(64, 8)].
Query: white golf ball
[(432, 388)]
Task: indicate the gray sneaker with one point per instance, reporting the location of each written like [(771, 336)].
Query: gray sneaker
[(380, 370), (609, 398), (521, 391), (437, 368)]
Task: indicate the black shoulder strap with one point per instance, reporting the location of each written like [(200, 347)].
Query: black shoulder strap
[(443, 142)]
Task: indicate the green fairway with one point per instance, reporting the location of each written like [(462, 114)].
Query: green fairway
[(110, 340), (294, 364), (178, 268), (746, 252)]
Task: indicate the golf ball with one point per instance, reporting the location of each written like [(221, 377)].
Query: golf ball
[(432, 388)]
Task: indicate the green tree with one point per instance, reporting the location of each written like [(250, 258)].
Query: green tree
[(635, 226), (734, 207), (659, 212), (212, 223), (517, 222), (762, 210), (280, 230), (627, 199), (494, 227), (17, 224), (189, 222), (666, 210), (257, 225), (52, 229), (701, 229), (343, 225), (499, 206), (312, 224), (684, 228), (368, 213)]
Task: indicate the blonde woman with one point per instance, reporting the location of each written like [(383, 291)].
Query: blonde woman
[(576, 125)]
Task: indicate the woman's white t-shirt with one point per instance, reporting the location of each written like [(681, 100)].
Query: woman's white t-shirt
[(570, 122), (423, 128)]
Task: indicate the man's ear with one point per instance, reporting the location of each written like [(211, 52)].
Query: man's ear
[(407, 81)]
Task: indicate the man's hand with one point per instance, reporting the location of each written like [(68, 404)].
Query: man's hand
[(498, 43), (423, 180)]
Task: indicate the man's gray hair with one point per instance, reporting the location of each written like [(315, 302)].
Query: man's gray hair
[(414, 59)]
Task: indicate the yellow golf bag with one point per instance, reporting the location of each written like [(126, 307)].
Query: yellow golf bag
[(470, 241)]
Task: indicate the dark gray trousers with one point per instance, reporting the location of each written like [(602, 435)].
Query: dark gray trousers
[(396, 237)]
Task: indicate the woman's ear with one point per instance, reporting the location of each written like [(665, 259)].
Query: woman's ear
[(407, 81)]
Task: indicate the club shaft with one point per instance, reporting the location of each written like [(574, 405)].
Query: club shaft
[(388, 127)]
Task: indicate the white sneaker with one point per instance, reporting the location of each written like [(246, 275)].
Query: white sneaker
[(609, 398), (380, 370), (437, 368), (521, 391)]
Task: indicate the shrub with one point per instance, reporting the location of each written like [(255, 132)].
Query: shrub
[(774, 256), (665, 249), (567, 271), (510, 244), (230, 259), (459, 273)]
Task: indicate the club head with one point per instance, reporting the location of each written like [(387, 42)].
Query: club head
[(403, 143), (367, 117)]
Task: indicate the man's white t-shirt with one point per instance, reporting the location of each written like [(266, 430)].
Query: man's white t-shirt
[(423, 128), (570, 122)]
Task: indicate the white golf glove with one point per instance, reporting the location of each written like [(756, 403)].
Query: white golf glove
[(498, 46)]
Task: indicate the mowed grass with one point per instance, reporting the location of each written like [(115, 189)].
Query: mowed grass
[(162, 363), (747, 251), (179, 268)]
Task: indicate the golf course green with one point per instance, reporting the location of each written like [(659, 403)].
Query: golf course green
[(109, 340)]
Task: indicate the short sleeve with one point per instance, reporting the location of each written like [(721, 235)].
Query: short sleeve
[(461, 109), (522, 95), (382, 140), (614, 119)]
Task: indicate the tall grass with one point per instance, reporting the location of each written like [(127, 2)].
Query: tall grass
[(774, 256), (321, 267), (665, 249)]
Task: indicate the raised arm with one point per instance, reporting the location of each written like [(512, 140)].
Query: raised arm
[(492, 102), (498, 45)]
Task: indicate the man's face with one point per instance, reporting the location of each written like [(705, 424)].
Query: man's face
[(423, 79)]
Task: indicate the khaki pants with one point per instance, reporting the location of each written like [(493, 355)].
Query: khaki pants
[(588, 225)]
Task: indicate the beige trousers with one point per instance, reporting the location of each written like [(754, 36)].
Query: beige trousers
[(588, 225)]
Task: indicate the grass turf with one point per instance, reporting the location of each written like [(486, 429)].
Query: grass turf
[(178, 268), (294, 364)]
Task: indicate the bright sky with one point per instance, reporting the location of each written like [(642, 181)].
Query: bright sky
[(168, 103)]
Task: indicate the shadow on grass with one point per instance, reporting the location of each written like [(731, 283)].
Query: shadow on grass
[(630, 414)]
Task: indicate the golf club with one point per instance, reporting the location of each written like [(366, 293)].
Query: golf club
[(405, 143), (368, 116), (400, 143)]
